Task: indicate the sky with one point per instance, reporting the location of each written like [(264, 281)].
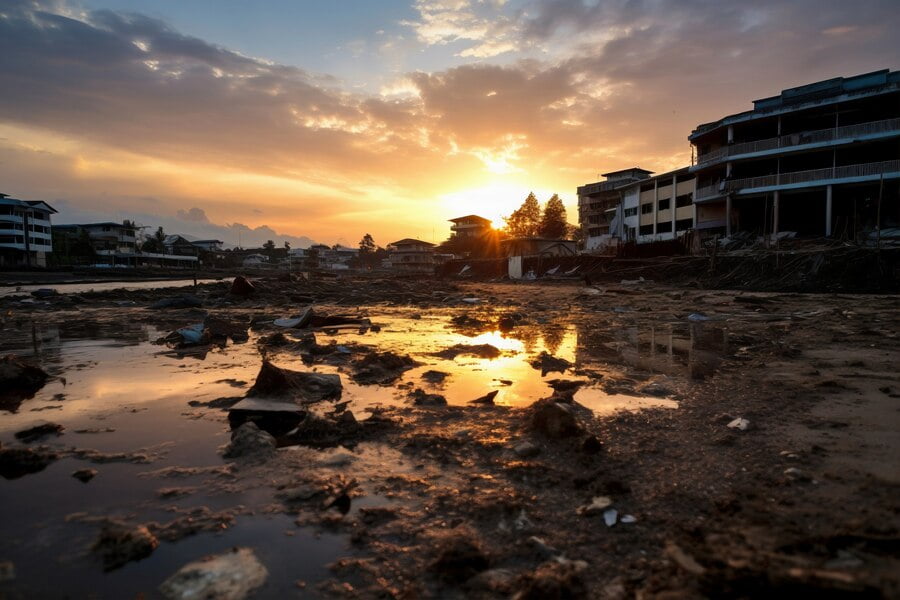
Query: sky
[(319, 121)]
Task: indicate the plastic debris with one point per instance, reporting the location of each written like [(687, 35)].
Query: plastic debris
[(740, 424), (295, 322), (610, 517), (598, 504), (628, 519), (697, 318), (192, 334)]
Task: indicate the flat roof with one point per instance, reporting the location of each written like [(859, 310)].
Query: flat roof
[(631, 170), (408, 241), (469, 217)]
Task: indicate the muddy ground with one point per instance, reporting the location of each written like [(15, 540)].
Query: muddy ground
[(483, 500)]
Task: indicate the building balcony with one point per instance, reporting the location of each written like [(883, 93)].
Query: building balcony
[(806, 140), (800, 179)]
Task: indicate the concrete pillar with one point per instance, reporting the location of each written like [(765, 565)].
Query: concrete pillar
[(730, 134), (728, 216), (655, 205), (672, 202), (828, 211), (728, 169), (777, 196)]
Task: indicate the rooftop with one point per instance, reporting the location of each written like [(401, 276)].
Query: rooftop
[(470, 217), (410, 242), (828, 91)]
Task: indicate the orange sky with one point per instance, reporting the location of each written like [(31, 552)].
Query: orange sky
[(111, 115)]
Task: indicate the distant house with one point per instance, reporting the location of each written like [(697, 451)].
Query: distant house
[(537, 246), (115, 245), (208, 245), (255, 260), (25, 232), (411, 256), (176, 244), (470, 226)]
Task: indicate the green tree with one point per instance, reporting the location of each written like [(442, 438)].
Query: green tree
[(287, 246), (269, 249), (367, 252), (155, 243), (367, 244), (525, 221), (553, 222)]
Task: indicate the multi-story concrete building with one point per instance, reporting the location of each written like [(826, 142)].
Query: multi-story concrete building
[(819, 159), (25, 232), (411, 256), (598, 202), (470, 226), (654, 208)]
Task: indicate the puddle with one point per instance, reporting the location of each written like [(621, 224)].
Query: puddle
[(111, 380)]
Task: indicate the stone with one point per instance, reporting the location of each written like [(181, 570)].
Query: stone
[(119, 544), (39, 431), (241, 286), (487, 399), (84, 475), (248, 440), (526, 449), (229, 576), (548, 364), (554, 419), (16, 462), (421, 398)]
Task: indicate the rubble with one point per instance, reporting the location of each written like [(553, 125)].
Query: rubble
[(296, 386), (84, 475), (249, 441), (229, 576), (548, 363), (421, 398), (487, 399), (241, 286), (17, 462), (555, 419), (19, 380), (476, 350), (119, 543), (37, 432), (381, 368)]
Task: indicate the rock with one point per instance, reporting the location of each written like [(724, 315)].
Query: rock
[(229, 576), (499, 581), (795, 474), (435, 377), (554, 419), (476, 350), (740, 424), (248, 440), (565, 385), (39, 431), (526, 449), (119, 544), (460, 557), (683, 559), (486, 399), (655, 388), (84, 475), (610, 517), (180, 301), (16, 462), (19, 380), (556, 579), (422, 398), (241, 286), (381, 368), (547, 364)]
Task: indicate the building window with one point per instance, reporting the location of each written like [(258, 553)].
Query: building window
[(646, 209), (664, 227), (664, 204), (683, 224), (631, 212), (684, 200), (646, 230)]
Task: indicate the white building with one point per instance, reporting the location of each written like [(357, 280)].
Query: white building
[(25, 232)]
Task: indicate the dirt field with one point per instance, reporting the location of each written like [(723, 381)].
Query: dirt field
[(516, 498)]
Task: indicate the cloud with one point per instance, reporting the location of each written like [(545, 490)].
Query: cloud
[(194, 215)]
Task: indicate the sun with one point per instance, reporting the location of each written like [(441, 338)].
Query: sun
[(493, 201)]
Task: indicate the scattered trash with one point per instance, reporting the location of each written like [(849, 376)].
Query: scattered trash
[(381, 368), (552, 271), (740, 424), (697, 317), (464, 270), (628, 519), (295, 322), (684, 560), (193, 334), (597, 505), (249, 440), (486, 399), (610, 517), (472, 300), (229, 576)]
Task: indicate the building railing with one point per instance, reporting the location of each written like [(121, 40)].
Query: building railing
[(846, 172), (708, 191), (801, 139)]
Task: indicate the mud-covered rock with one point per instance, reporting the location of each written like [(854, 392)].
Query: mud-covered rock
[(39, 431), (435, 377), (229, 576), (84, 475), (381, 368), (554, 419), (548, 364), (17, 462), (422, 398), (275, 382), (487, 399), (554, 580), (18, 381), (460, 556), (249, 441), (241, 286), (476, 350), (119, 543), (526, 449)]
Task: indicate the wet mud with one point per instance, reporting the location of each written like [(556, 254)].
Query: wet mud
[(547, 441)]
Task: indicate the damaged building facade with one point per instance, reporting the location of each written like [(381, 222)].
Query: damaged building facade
[(817, 160), (25, 232), (814, 160)]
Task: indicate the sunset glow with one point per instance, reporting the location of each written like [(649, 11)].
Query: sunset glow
[(315, 125)]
